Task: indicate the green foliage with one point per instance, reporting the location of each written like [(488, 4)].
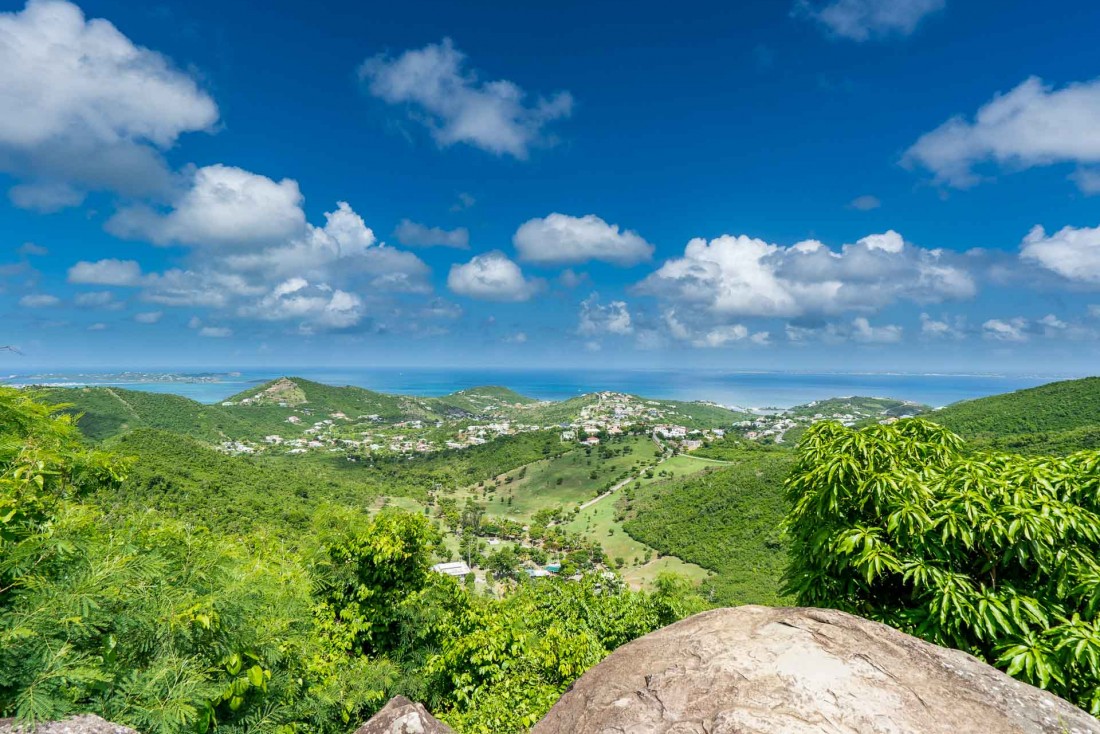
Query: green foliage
[(1049, 409), (726, 520), (506, 662), (991, 553), (174, 628)]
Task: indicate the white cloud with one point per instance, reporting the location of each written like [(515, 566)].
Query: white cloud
[(722, 335), (148, 317), (863, 331), (194, 322), (559, 239), (1070, 252), (459, 108), (97, 299), (223, 207), (86, 109), (39, 300), (865, 203), (106, 272), (1032, 125), (518, 338), (743, 276), (99, 326), (492, 277), (1010, 330), (595, 318), (412, 234), (216, 332), (314, 306), (860, 20), (931, 328), (339, 265)]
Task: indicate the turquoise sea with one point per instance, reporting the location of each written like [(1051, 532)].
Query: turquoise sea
[(744, 389)]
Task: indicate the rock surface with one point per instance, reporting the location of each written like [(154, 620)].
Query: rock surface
[(85, 724), (759, 670), (402, 716)]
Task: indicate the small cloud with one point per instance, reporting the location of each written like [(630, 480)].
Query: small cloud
[(216, 332), (457, 107), (569, 278), (861, 20), (1011, 330), (148, 317), (39, 300), (865, 203), (96, 299), (863, 331), (100, 326), (465, 201), (194, 323), (518, 338), (106, 272), (32, 250), (559, 239), (492, 277), (412, 234)]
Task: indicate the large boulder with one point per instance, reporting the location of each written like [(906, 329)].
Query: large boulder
[(402, 716), (85, 724), (760, 670)]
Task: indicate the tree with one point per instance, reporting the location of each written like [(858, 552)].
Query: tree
[(991, 553)]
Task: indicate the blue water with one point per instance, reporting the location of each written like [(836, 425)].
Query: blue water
[(745, 389)]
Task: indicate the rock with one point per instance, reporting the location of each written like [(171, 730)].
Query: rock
[(402, 716), (85, 724), (760, 670)]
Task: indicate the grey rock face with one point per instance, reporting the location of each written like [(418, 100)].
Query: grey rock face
[(402, 716), (86, 724), (759, 670)]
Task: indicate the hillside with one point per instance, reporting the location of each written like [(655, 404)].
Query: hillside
[(726, 520), (1051, 409), (860, 407), (110, 411), (693, 414)]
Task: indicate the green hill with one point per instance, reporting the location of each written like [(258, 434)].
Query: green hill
[(1057, 415), (726, 520), (110, 411), (860, 407)]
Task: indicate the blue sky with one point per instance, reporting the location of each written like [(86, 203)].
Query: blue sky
[(829, 184)]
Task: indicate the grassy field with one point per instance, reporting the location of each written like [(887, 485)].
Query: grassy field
[(563, 481)]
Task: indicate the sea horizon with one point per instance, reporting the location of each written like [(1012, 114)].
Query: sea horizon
[(736, 388)]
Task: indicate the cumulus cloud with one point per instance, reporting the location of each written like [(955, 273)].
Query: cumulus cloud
[(456, 106), (1032, 125), (1010, 330), (412, 234), (148, 317), (596, 318), (1073, 253), (559, 239), (252, 254), (492, 277), (744, 276), (860, 20), (39, 300), (223, 207), (314, 306), (86, 109), (106, 272), (931, 328), (863, 331)]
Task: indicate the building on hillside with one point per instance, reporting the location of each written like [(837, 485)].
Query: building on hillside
[(592, 441), (457, 569)]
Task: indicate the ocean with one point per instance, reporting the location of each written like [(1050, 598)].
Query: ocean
[(742, 389)]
